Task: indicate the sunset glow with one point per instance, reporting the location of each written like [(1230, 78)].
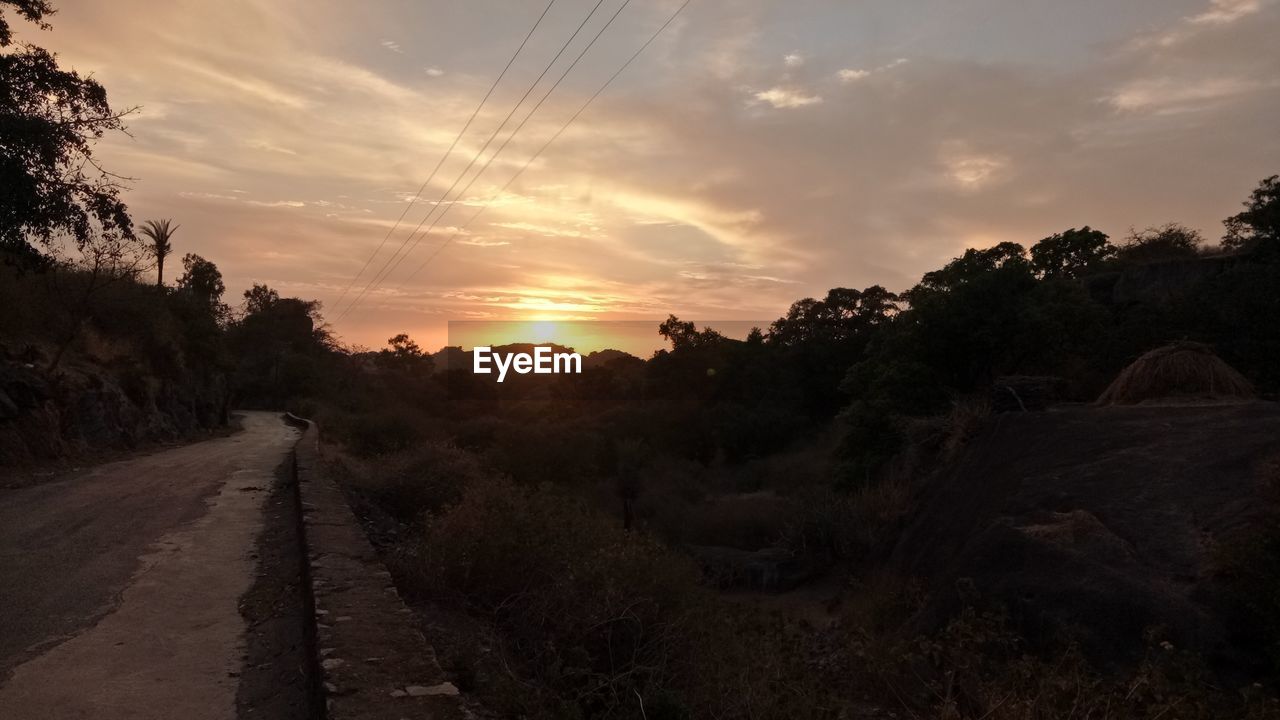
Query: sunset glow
[(756, 153)]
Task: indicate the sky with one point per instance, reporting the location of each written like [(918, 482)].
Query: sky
[(756, 153)]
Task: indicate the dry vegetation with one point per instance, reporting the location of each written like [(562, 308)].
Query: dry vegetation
[(1181, 370), (579, 618)]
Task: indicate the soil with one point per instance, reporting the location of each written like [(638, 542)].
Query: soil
[(278, 677), (45, 471)]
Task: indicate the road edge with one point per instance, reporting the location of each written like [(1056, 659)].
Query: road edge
[(372, 661)]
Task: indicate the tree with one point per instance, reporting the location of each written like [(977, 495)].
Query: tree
[(404, 346), (279, 344), (973, 264), (49, 121), (1260, 221), (685, 335), (1170, 241), (1072, 253), (78, 283), (202, 282), (159, 232), (406, 355), (259, 299), (844, 314)]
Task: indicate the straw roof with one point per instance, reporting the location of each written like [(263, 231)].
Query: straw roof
[(1181, 370)]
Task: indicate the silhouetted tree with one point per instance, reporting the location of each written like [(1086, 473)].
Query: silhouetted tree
[(49, 121), (1260, 221), (973, 264), (818, 340), (685, 336), (280, 346), (843, 315), (1072, 253), (405, 355), (202, 283), (159, 232), (102, 263), (259, 299), (1171, 241)]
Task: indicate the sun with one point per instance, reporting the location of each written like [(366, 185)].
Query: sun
[(544, 331)]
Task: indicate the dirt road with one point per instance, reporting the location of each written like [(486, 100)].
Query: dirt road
[(119, 586)]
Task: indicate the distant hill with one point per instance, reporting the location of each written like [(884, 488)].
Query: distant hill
[(604, 357)]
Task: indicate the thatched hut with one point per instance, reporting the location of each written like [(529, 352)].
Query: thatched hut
[(1186, 370)]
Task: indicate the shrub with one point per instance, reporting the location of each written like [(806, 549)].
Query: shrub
[(422, 480), (977, 668), (603, 619), (378, 433)]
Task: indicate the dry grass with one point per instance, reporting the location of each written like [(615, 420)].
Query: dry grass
[(1177, 370)]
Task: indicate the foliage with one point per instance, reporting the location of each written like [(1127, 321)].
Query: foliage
[(1071, 253), (972, 265), (605, 622), (201, 282), (378, 433), (406, 356), (1259, 223), (977, 668), (1166, 242), (159, 233), (49, 121), (425, 480), (33, 10), (282, 348), (684, 336)]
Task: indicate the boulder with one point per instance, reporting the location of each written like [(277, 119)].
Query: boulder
[(1099, 524)]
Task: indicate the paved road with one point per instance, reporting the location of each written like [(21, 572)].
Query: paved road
[(119, 586)]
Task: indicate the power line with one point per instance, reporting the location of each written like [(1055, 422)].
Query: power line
[(448, 152), (546, 145), (394, 261), (512, 136), (383, 272)]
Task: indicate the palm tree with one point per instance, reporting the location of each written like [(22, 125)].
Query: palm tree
[(159, 231)]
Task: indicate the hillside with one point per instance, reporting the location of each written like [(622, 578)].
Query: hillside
[(1103, 523)]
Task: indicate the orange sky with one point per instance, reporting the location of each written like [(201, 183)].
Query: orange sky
[(757, 153)]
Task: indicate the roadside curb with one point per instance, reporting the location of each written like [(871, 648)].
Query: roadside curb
[(372, 661)]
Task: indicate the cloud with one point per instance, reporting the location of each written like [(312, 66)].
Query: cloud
[(688, 187), (855, 74), (1218, 14), (1221, 12), (967, 168), (781, 97), (1168, 94), (391, 45), (793, 60), (277, 203), (544, 230), (434, 72), (270, 147)]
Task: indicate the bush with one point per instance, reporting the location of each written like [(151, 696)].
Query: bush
[(422, 480), (378, 433), (602, 618)]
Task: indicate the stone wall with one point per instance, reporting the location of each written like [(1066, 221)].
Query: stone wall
[(373, 660)]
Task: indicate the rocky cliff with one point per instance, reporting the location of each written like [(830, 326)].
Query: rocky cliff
[(82, 406)]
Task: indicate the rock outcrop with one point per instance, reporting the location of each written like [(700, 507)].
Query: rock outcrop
[(50, 414), (1101, 524)]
